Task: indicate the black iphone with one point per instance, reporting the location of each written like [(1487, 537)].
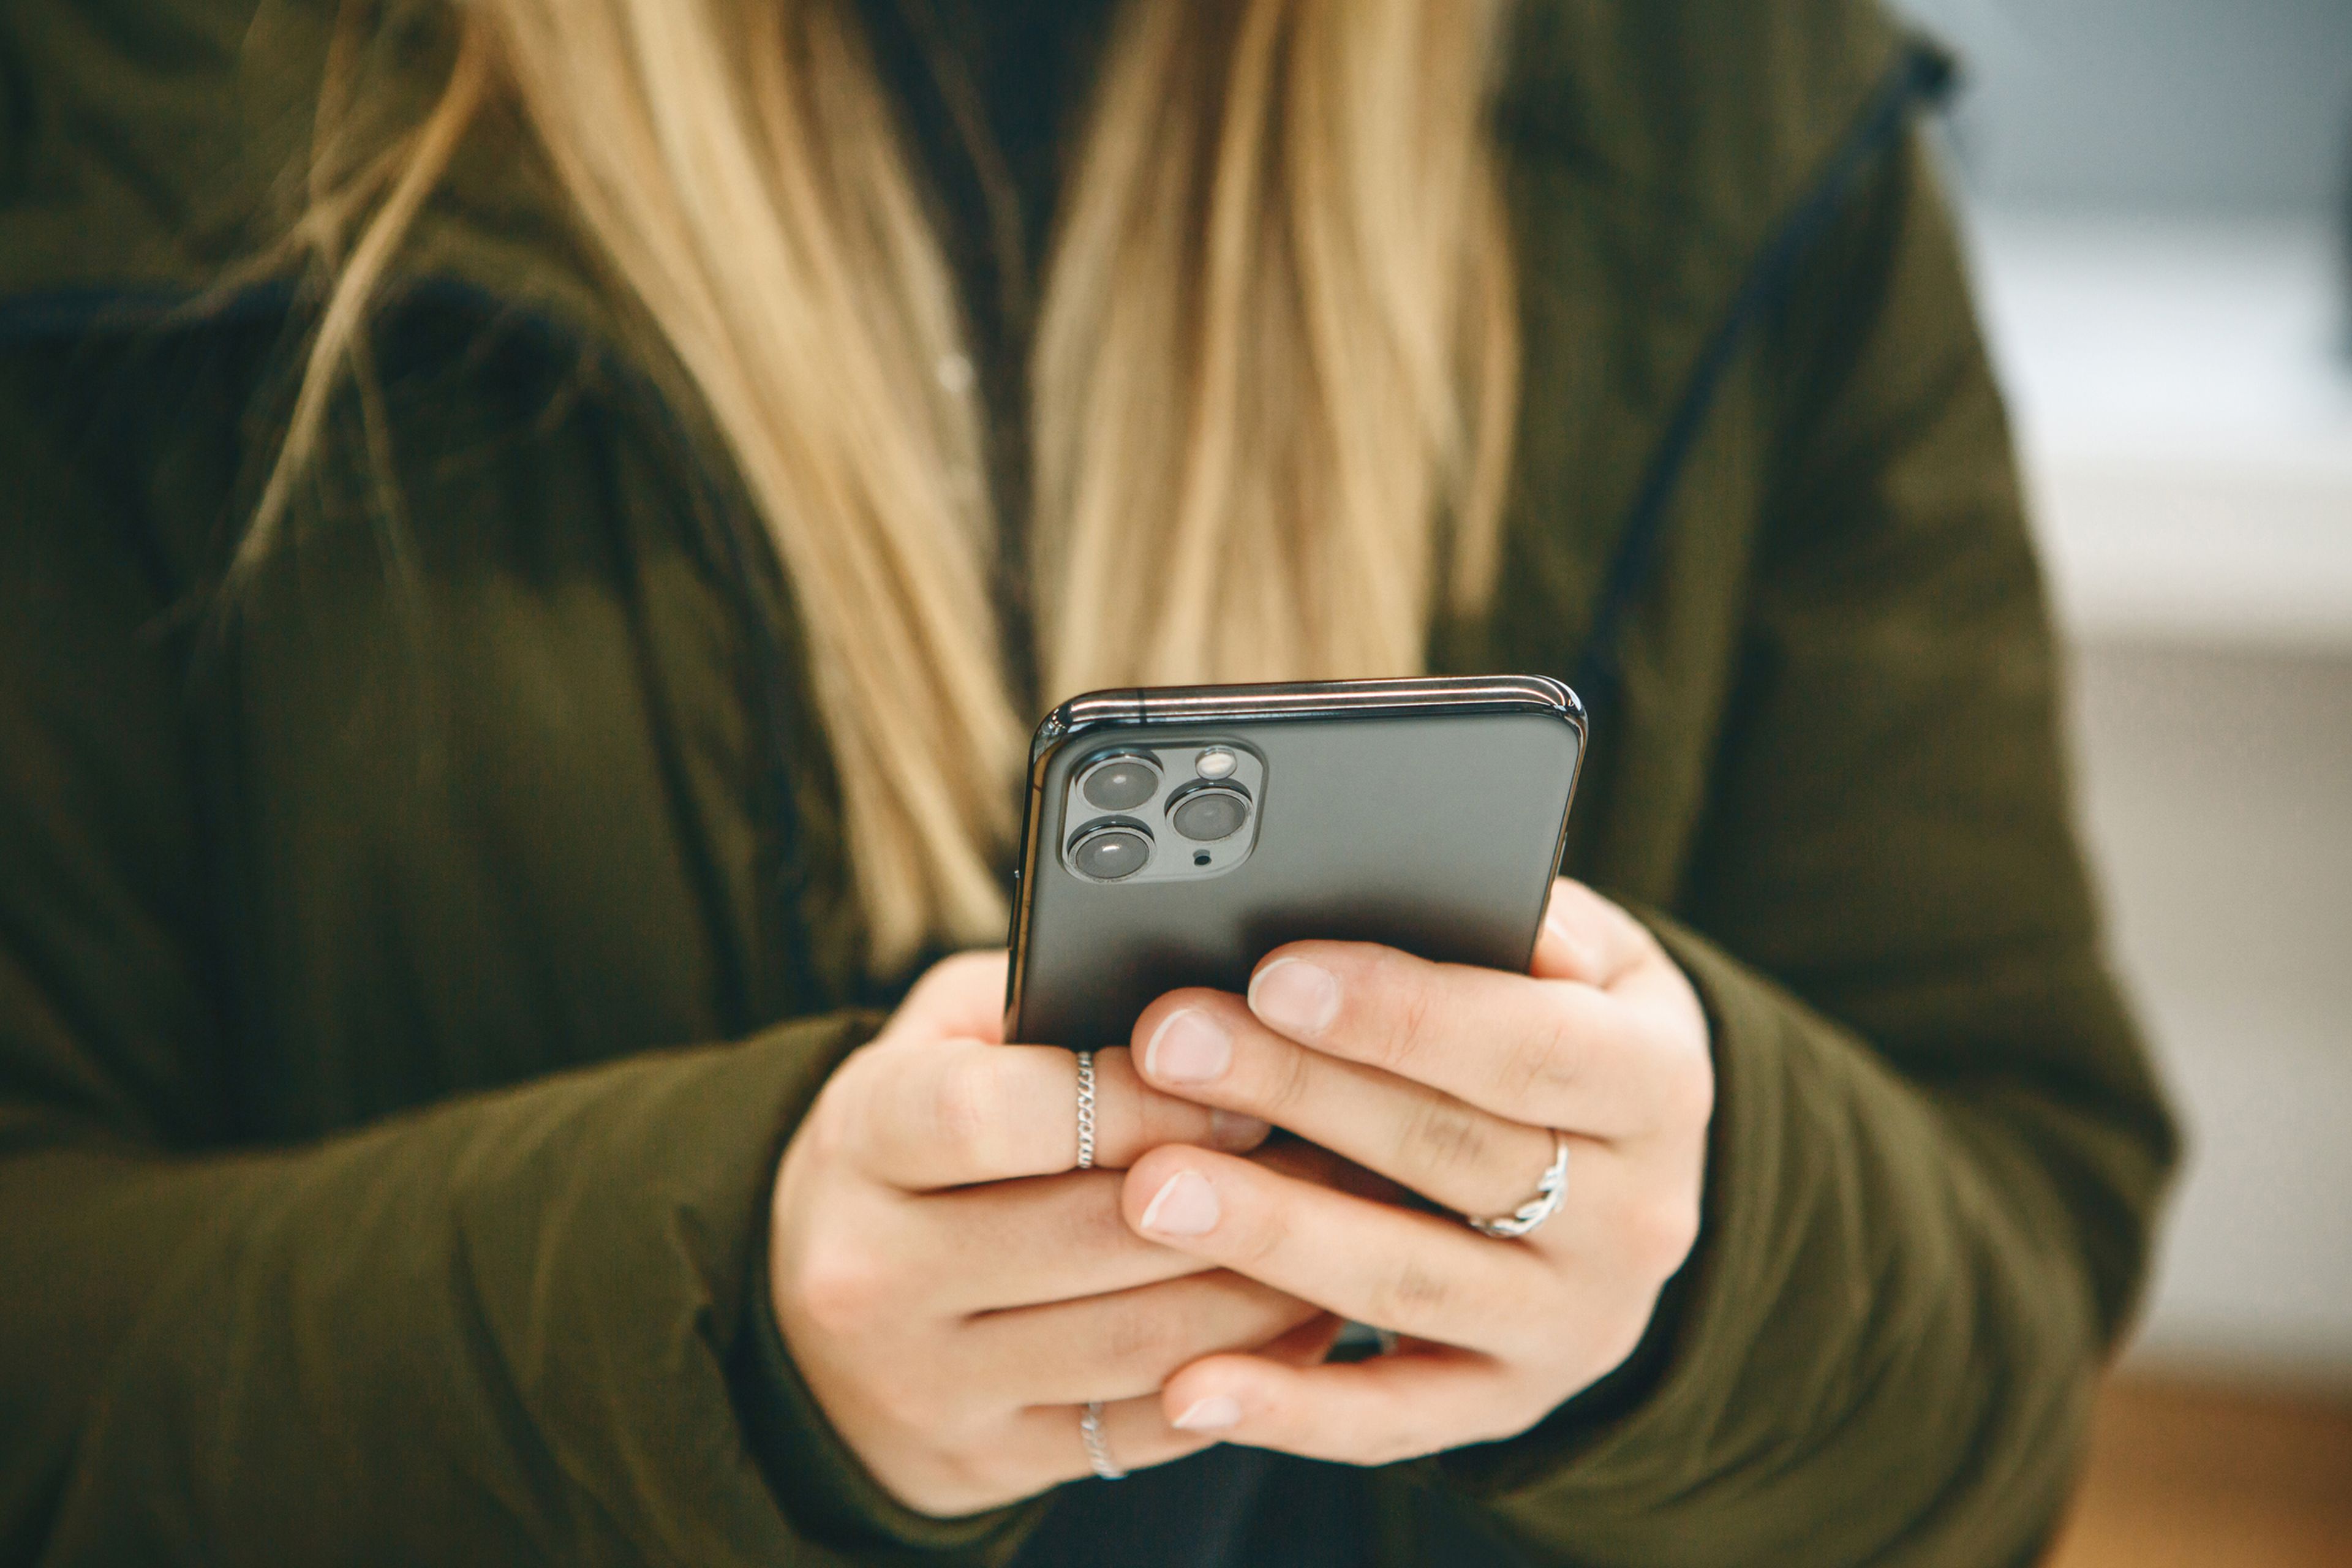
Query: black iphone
[(1175, 835)]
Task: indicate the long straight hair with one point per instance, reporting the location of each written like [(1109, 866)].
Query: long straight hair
[(1274, 376)]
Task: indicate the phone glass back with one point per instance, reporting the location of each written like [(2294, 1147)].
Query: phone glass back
[(1423, 814)]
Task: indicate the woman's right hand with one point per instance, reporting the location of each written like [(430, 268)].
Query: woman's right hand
[(955, 1290)]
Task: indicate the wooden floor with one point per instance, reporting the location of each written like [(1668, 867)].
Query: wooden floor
[(2184, 1475)]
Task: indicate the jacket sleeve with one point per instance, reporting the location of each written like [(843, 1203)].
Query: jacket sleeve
[(1937, 1150), (516, 1327)]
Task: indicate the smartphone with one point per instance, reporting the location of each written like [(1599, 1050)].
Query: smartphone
[(1174, 835)]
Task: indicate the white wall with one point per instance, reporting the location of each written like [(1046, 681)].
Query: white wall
[(2217, 791), (2186, 419), (2242, 106), (2158, 191)]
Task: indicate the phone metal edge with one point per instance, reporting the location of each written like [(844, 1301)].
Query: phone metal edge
[(1082, 715)]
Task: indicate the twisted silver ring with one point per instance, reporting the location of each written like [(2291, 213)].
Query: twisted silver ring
[(1086, 1110), (1551, 1187), (1090, 1432)]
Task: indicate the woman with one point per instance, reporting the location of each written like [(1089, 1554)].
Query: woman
[(534, 533)]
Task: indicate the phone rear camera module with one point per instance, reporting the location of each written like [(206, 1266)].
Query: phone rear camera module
[(1110, 851), (1120, 783), (1208, 813)]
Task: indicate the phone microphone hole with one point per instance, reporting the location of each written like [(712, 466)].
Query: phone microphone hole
[(1199, 857)]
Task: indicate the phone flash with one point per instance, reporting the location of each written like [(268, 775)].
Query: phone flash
[(1216, 762)]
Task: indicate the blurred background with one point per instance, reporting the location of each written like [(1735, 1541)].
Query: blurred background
[(2159, 195)]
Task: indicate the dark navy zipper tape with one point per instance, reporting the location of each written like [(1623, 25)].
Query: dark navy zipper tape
[(1923, 76)]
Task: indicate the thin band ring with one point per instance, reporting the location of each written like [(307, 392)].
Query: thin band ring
[(1090, 1432), (1086, 1110), (1552, 1188)]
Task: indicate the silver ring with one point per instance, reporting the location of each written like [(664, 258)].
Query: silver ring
[(1551, 1187), (1090, 1432), (1086, 1110)]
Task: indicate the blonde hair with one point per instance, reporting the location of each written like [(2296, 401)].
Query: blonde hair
[(1274, 372)]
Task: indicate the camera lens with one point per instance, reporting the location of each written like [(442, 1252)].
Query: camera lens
[(1209, 813), (1120, 783), (1110, 851)]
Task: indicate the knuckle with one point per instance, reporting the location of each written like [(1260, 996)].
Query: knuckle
[(1092, 1223), (845, 1110), (825, 1132), (1403, 1015), (1409, 1293), (1137, 1340), (944, 983), (1260, 1234), (841, 1286), (1543, 1064), (1287, 1080), (1444, 1136)]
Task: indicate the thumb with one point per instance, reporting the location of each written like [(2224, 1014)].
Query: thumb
[(960, 996), (1586, 938)]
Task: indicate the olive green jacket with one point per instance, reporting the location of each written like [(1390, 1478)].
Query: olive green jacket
[(410, 974)]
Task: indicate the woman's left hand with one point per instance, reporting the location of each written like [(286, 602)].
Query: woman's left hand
[(1450, 1081)]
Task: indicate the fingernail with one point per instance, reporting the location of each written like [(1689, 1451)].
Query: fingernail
[(1214, 1414), (1188, 1047), (1236, 1133), (1581, 956), (1187, 1205), (1556, 921), (1296, 997)]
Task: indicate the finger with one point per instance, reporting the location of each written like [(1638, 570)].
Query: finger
[(1208, 1047), (1046, 1439), (945, 1114), (1398, 1268), (1587, 938), (1045, 1445), (1127, 1344), (961, 996), (1313, 1162), (1308, 1344), (1029, 1242), (1375, 1412), (1545, 1052)]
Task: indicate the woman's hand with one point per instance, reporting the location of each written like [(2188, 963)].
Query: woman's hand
[(953, 1290), (1450, 1081)]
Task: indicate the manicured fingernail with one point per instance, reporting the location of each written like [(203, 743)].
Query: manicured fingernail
[(1294, 997), (1187, 1205), (1236, 1133), (1188, 1047), (1214, 1414)]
